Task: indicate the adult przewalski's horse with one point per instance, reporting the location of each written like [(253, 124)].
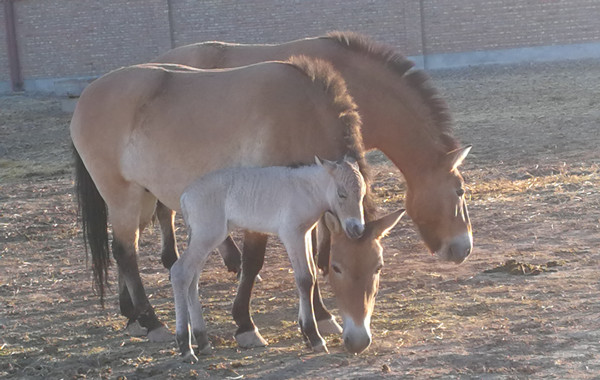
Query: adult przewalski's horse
[(402, 115), (143, 133)]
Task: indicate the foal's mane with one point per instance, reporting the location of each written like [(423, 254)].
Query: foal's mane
[(322, 73), (416, 79)]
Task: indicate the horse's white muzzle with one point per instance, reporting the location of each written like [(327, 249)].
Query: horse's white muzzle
[(458, 249), (357, 338), (354, 227)]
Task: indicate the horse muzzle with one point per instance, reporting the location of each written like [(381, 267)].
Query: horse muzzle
[(354, 228), (356, 338), (459, 249)]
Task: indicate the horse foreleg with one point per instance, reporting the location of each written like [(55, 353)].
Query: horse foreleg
[(166, 219), (300, 254), (136, 306), (247, 334), (326, 322), (323, 247)]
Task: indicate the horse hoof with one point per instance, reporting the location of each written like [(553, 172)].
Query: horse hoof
[(206, 350), (250, 339), (189, 357), (321, 347), (161, 334), (329, 327), (135, 329)]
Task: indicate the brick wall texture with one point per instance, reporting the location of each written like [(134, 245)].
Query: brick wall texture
[(71, 38)]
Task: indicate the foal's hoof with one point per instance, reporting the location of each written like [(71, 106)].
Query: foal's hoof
[(161, 334), (189, 357), (250, 339), (135, 329), (329, 327)]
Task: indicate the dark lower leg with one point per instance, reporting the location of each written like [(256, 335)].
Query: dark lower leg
[(125, 303), (307, 322), (232, 257), (323, 247), (166, 219), (136, 305), (321, 313), (252, 262)]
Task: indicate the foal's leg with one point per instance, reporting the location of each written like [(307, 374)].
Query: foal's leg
[(247, 334), (298, 246), (326, 322), (184, 278), (166, 218)]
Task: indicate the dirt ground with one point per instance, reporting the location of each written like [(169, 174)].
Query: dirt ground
[(534, 187)]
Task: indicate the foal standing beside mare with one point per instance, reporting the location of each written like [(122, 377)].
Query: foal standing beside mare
[(143, 133), (275, 200)]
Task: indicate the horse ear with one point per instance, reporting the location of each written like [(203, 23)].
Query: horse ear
[(380, 227), (457, 156), (318, 161), (332, 223), (329, 165)]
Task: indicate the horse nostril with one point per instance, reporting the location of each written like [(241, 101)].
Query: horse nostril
[(355, 230)]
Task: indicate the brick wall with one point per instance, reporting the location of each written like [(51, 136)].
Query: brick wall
[(60, 38), (75, 38), (272, 21), (467, 25)]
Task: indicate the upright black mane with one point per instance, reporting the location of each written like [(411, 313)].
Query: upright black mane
[(323, 74)]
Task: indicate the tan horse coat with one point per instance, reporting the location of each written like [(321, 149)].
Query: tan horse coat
[(145, 132)]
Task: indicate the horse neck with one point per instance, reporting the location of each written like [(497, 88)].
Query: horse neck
[(316, 183), (396, 118)]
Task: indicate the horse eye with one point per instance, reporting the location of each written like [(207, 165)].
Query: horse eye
[(378, 269), (342, 194), (336, 269), (460, 192)]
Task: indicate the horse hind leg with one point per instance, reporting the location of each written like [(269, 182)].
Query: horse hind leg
[(166, 218), (247, 334), (185, 274), (125, 212)]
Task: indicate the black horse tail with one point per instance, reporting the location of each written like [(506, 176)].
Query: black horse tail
[(94, 220)]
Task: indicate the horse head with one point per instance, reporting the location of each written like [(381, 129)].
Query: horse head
[(346, 194), (437, 205), (354, 268)]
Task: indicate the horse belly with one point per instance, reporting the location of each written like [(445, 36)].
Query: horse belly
[(256, 219), (167, 168)]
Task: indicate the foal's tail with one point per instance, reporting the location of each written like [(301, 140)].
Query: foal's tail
[(94, 220)]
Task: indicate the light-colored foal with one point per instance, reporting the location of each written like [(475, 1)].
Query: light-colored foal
[(279, 200)]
